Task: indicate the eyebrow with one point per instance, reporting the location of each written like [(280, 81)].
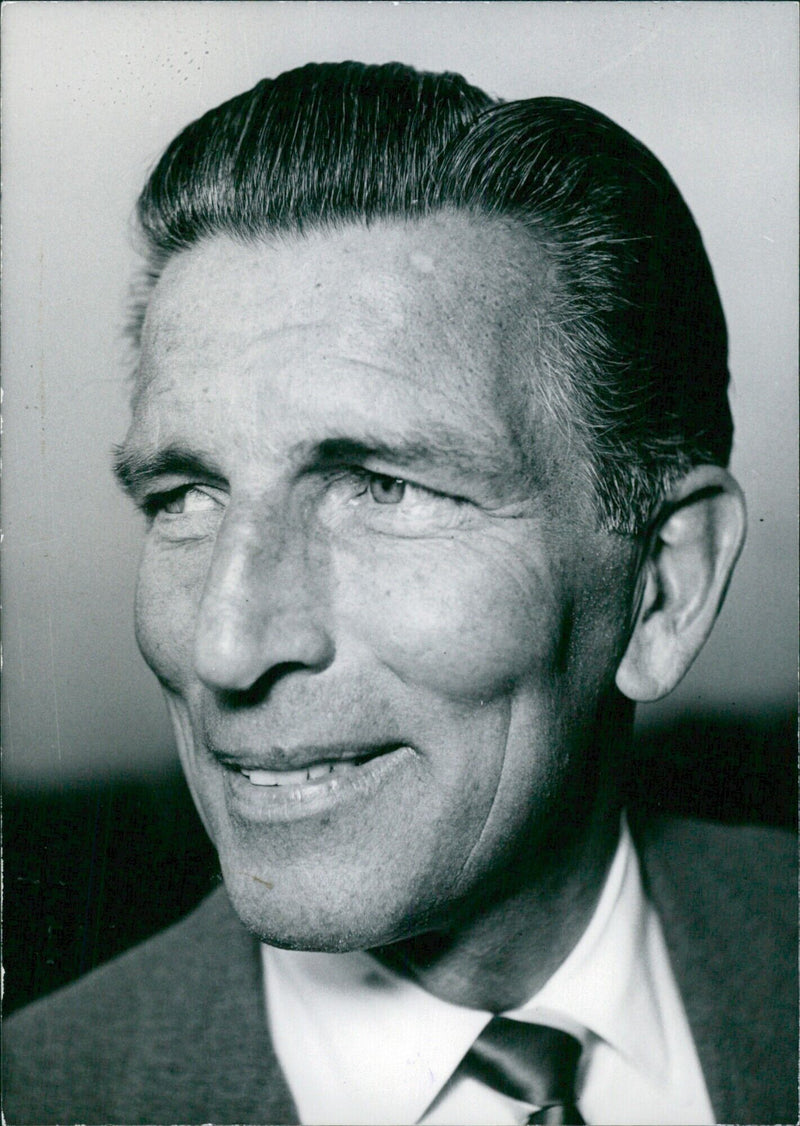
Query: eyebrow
[(133, 468), (441, 449)]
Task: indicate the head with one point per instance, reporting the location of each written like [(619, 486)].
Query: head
[(430, 427)]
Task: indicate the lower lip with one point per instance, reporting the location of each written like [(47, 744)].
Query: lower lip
[(273, 804)]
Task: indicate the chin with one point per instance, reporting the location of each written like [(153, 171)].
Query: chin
[(299, 919)]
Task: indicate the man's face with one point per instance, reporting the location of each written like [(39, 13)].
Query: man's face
[(384, 622)]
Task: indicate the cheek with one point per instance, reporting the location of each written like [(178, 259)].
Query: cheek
[(465, 622), (168, 591)]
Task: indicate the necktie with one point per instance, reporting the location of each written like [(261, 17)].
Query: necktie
[(532, 1063)]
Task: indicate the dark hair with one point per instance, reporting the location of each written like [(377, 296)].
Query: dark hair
[(633, 348)]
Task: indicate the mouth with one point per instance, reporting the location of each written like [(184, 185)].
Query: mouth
[(314, 772), (327, 777)]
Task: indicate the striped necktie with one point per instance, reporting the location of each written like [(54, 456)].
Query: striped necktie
[(529, 1062)]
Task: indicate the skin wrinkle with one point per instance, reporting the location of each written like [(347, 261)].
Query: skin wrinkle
[(453, 636), (412, 961), (489, 638), (584, 198), (134, 465), (518, 274), (468, 859), (516, 279)]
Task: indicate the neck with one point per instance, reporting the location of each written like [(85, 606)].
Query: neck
[(496, 957)]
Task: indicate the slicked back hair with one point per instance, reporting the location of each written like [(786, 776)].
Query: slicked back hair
[(631, 355)]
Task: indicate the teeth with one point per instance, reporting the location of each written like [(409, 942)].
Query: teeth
[(296, 777)]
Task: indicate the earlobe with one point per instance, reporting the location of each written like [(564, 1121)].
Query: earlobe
[(684, 575)]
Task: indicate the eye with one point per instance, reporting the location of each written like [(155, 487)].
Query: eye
[(386, 490), (186, 500), (393, 506)]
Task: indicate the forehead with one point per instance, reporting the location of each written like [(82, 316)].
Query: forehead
[(419, 322), (447, 282)]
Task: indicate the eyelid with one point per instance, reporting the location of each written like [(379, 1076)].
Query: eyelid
[(157, 496), (153, 500), (393, 475)]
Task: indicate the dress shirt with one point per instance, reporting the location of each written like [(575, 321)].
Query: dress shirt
[(358, 1043)]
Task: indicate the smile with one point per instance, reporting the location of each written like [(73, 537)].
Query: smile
[(315, 773), (257, 794)]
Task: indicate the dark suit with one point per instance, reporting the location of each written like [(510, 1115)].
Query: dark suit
[(174, 1031)]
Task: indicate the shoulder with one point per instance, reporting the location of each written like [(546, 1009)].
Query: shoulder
[(715, 836), (71, 1053), (730, 869), (727, 900), (161, 962)]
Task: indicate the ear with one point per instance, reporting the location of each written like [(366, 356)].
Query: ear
[(685, 571)]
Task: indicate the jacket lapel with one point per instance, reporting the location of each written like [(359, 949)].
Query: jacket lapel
[(204, 1053), (732, 960)]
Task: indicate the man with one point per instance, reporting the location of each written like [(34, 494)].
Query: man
[(430, 431)]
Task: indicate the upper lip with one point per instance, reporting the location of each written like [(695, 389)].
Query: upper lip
[(277, 758)]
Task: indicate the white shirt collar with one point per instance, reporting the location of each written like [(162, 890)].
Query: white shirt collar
[(371, 1037), (353, 1037), (608, 984)]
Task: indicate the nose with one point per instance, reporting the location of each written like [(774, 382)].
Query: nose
[(262, 610)]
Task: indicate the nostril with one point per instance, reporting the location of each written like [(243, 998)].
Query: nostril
[(234, 699)]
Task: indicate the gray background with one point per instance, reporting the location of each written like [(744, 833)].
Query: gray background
[(92, 92)]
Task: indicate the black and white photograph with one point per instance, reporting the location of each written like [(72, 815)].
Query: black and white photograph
[(400, 569)]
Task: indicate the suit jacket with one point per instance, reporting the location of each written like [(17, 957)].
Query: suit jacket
[(174, 1031)]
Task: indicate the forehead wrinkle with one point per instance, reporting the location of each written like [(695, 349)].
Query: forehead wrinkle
[(137, 462), (253, 359), (506, 287), (437, 447), (510, 260)]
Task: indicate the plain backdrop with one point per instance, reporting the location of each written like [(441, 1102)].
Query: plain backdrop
[(92, 93)]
